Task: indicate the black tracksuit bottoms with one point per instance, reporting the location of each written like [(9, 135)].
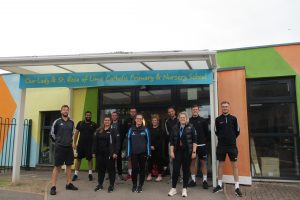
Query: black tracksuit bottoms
[(155, 159), (138, 167), (105, 162), (181, 159)]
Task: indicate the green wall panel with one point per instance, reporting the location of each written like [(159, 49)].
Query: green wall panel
[(91, 104), (263, 62)]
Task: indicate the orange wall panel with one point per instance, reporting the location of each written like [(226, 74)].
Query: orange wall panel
[(232, 88)]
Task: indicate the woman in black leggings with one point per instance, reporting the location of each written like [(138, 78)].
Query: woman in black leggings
[(157, 140), (182, 150), (138, 151), (105, 146)]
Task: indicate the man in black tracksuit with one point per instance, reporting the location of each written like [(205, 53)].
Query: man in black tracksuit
[(201, 127), (128, 123), (227, 130), (117, 124), (169, 125), (106, 146), (61, 133), (138, 151)]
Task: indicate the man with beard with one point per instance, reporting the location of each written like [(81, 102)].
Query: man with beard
[(62, 134), (86, 128), (129, 122)]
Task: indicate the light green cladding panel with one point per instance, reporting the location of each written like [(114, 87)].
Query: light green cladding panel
[(261, 62), (91, 102)]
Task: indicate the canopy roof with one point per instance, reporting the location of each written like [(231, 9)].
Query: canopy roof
[(105, 62)]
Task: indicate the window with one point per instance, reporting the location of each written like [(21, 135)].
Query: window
[(116, 97), (272, 116), (154, 95)]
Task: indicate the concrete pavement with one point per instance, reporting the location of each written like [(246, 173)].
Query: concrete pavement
[(152, 191)]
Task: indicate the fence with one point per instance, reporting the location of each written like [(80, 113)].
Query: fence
[(7, 138)]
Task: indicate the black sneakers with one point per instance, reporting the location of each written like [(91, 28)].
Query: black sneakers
[(192, 183), (90, 177), (217, 189), (205, 185), (139, 189), (110, 189), (70, 186), (53, 190), (75, 177), (238, 192), (98, 187), (134, 188)]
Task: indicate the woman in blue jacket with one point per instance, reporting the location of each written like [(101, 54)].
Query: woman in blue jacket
[(138, 151)]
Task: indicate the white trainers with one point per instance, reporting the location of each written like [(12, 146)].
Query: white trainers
[(159, 178), (149, 178), (184, 192), (172, 192)]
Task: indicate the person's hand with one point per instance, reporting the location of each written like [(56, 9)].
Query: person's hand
[(152, 148), (115, 156), (172, 155), (74, 146), (193, 155)]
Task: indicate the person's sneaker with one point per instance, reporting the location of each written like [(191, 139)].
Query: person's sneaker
[(172, 192), (205, 185), (90, 177), (98, 187), (149, 178), (238, 192), (217, 189), (158, 179), (75, 177), (139, 189), (184, 192), (192, 183), (128, 177), (110, 189), (70, 186), (134, 188), (53, 190)]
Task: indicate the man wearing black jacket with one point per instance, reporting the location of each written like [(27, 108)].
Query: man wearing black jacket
[(117, 124), (201, 127), (62, 131), (227, 130)]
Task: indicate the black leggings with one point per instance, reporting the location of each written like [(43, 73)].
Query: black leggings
[(181, 159), (155, 159), (138, 167), (104, 162)]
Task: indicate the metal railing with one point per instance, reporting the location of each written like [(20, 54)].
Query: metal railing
[(7, 138)]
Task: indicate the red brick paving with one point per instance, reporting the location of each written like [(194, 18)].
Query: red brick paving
[(265, 191)]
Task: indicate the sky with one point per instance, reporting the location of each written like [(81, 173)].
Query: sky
[(61, 27)]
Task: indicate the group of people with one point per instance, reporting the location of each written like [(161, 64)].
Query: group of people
[(172, 146)]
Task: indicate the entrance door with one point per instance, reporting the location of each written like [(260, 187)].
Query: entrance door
[(150, 100), (46, 146)]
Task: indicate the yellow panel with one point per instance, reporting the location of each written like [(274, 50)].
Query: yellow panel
[(78, 104), (43, 99)]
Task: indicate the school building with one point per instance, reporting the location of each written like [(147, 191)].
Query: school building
[(261, 83)]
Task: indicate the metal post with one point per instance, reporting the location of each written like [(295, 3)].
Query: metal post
[(18, 137), (214, 113)]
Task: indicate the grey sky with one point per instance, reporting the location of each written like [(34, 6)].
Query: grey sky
[(55, 27)]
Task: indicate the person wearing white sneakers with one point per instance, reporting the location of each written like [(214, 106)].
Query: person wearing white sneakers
[(157, 140), (183, 145)]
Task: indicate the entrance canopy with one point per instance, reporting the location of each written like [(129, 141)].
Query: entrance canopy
[(106, 62)]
